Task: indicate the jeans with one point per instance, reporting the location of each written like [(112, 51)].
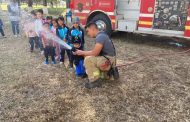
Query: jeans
[(63, 56), (40, 43), (15, 27), (49, 51), (79, 68), (32, 41), (2, 32)]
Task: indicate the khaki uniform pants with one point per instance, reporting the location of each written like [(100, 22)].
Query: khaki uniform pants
[(97, 65)]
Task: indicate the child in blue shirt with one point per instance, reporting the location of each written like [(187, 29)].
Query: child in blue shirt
[(1, 28), (63, 31), (77, 30), (78, 60)]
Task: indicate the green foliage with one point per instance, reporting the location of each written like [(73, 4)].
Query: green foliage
[(56, 11)]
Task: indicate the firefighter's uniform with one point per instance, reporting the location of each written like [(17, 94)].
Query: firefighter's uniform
[(98, 66)]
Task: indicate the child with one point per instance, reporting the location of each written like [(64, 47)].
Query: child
[(76, 30), (78, 60), (14, 16), (48, 44), (54, 29), (38, 27), (49, 19), (29, 29), (34, 17), (63, 34), (1, 28)]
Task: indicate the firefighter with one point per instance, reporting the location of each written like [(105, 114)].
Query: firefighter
[(100, 59)]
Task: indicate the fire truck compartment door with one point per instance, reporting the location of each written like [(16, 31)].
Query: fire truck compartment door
[(130, 9), (127, 26)]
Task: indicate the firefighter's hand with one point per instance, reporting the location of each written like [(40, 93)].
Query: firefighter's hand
[(79, 52)]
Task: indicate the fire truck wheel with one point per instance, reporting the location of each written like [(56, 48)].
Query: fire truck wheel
[(103, 23)]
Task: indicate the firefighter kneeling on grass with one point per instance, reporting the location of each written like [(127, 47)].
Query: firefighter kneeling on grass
[(101, 61)]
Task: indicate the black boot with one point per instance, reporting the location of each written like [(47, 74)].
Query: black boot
[(84, 76), (91, 85)]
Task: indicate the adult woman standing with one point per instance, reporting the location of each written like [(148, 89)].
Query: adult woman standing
[(14, 15)]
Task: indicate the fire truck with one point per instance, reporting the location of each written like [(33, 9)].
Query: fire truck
[(156, 17)]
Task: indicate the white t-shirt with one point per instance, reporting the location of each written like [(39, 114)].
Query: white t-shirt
[(38, 26)]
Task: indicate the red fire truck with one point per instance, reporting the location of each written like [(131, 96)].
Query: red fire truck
[(157, 17)]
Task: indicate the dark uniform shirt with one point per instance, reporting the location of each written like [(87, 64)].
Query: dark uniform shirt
[(108, 47)]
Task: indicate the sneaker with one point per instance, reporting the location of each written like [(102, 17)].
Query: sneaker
[(46, 62), (53, 62), (91, 85), (61, 62), (15, 36), (70, 66), (42, 52), (84, 76), (4, 37), (36, 47), (18, 35)]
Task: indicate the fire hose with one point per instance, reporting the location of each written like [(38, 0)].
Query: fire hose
[(142, 59), (58, 40)]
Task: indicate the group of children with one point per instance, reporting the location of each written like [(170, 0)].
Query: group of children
[(35, 29)]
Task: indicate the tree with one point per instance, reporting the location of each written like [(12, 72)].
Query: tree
[(45, 7), (18, 2), (51, 3), (45, 3), (68, 3), (30, 3)]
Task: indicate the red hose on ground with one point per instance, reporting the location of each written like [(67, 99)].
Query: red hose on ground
[(161, 54)]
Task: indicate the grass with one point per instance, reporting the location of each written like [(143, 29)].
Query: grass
[(154, 90)]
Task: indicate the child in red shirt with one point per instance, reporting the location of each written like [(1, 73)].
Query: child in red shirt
[(48, 44)]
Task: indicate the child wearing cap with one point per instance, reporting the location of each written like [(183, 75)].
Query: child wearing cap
[(78, 60), (48, 44), (77, 30)]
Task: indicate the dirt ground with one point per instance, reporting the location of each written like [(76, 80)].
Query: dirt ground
[(155, 90)]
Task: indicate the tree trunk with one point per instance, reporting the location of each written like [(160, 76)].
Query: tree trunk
[(45, 3), (30, 3), (51, 3), (68, 3), (19, 4), (45, 7)]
